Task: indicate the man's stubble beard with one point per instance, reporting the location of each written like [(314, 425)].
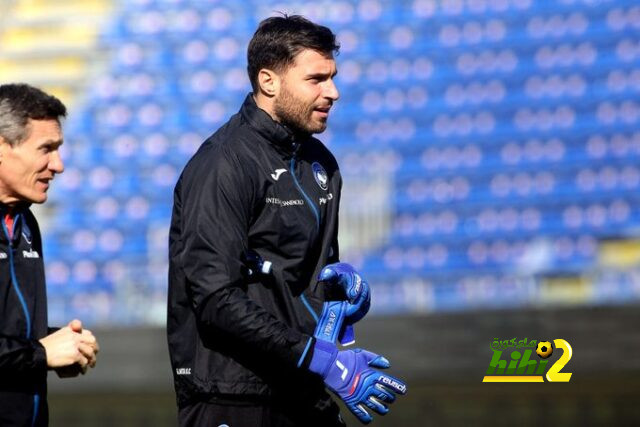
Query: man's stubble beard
[(294, 114)]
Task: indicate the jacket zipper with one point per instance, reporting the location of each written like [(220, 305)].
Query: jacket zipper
[(14, 279), (315, 211)]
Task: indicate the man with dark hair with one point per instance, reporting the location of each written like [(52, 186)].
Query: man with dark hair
[(257, 295), (30, 136)]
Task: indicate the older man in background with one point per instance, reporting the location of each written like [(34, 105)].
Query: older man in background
[(30, 138)]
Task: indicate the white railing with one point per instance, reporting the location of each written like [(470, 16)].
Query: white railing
[(365, 213)]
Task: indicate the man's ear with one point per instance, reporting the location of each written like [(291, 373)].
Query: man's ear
[(269, 82), (3, 146)]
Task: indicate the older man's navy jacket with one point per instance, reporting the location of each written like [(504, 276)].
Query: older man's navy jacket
[(23, 321)]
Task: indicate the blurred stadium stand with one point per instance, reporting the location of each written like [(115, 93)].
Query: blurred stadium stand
[(52, 44), (490, 148)]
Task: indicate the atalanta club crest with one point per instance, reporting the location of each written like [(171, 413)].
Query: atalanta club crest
[(320, 175)]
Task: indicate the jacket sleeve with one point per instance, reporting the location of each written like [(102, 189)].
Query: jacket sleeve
[(217, 197), (21, 356)]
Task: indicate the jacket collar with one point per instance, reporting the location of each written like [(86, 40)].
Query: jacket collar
[(18, 219), (276, 133), (17, 208)]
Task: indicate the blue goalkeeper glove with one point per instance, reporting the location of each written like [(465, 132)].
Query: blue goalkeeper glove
[(350, 375), (338, 317)]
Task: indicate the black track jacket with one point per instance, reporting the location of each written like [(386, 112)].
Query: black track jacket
[(23, 321), (251, 185)]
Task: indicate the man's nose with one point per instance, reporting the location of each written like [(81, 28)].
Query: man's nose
[(331, 91), (55, 162)]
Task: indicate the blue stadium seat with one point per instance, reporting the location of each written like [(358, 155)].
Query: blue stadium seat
[(510, 130)]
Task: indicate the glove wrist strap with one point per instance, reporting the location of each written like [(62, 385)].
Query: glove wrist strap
[(331, 320), (324, 353)]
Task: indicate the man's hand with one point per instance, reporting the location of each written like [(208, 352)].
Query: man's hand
[(355, 288), (338, 316), (350, 375), (71, 350), (88, 339)]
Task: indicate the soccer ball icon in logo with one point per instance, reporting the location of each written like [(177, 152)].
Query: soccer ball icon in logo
[(544, 349)]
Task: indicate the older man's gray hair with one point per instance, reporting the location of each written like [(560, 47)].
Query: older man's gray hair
[(21, 102)]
